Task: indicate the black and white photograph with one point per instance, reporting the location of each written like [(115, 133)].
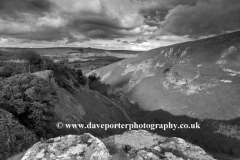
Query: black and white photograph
[(119, 79)]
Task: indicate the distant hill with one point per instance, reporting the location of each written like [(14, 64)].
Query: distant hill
[(66, 50)]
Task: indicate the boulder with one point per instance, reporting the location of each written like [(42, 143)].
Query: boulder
[(71, 147), (135, 145), (47, 74)]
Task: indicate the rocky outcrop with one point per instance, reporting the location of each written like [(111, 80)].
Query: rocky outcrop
[(137, 145), (71, 147), (46, 74)]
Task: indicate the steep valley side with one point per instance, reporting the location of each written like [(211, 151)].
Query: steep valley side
[(215, 136), (184, 83)]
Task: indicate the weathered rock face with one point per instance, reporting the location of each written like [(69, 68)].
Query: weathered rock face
[(70, 147), (47, 74), (137, 145), (141, 145)]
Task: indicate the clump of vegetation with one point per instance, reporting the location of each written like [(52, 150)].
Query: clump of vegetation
[(32, 61), (66, 76), (29, 61), (117, 153), (33, 58), (15, 137), (96, 84), (29, 98), (10, 69)]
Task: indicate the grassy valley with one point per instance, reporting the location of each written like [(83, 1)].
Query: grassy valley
[(38, 91)]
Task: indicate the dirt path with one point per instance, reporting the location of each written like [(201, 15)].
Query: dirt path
[(123, 111)]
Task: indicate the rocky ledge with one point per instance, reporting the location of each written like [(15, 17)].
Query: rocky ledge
[(132, 145), (46, 74)]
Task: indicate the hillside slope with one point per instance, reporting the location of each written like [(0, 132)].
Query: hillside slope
[(31, 105), (81, 106), (199, 79)]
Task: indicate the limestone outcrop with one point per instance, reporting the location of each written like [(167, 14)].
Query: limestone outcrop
[(46, 74), (72, 147), (131, 145)]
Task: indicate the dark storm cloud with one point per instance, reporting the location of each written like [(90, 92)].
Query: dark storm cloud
[(15, 8), (105, 19), (126, 42), (93, 19), (84, 39), (41, 5), (71, 39), (45, 34), (151, 37), (140, 41), (79, 20), (158, 12), (193, 18), (19, 20), (201, 18), (95, 29)]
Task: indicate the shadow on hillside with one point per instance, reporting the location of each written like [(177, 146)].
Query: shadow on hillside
[(206, 136), (218, 136)]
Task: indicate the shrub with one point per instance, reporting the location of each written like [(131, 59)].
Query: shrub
[(30, 99), (63, 74), (93, 77), (47, 63), (11, 69), (67, 76), (14, 137)]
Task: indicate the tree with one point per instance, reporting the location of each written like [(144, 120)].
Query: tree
[(47, 63), (80, 77), (33, 58)]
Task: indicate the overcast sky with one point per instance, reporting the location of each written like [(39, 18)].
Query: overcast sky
[(114, 24)]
